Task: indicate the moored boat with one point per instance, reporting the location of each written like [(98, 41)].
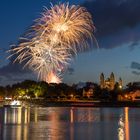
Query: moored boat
[(14, 103)]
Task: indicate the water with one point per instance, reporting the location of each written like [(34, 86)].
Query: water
[(63, 123)]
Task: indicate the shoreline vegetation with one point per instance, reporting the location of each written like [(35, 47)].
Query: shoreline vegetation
[(88, 94)]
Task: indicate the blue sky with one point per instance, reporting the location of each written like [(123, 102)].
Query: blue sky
[(117, 31)]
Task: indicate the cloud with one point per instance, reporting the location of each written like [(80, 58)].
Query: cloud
[(135, 65), (136, 73), (117, 22), (136, 68), (70, 71), (133, 45), (13, 73)]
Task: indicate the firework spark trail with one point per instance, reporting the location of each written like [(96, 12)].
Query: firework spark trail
[(49, 59), (54, 39), (72, 24)]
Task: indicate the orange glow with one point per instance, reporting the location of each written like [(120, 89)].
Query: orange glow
[(71, 116), (54, 40), (126, 123), (53, 78), (71, 126)]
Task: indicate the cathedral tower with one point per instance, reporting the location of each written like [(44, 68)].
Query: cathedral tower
[(120, 83), (112, 81), (102, 81)]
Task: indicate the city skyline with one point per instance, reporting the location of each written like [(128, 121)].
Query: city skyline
[(117, 32)]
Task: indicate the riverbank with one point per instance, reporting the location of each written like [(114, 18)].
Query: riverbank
[(75, 103), (80, 103)]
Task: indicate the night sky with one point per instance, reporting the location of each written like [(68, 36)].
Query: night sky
[(117, 32)]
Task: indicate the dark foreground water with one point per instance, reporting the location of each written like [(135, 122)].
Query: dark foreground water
[(63, 123)]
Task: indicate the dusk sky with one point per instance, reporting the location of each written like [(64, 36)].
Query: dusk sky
[(117, 32)]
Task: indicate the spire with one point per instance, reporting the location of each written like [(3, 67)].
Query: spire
[(120, 82), (102, 81), (112, 81)]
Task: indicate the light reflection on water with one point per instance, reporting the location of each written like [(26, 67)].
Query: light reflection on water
[(63, 123)]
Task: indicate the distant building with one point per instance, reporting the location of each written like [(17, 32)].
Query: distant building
[(110, 82), (88, 90), (88, 93), (133, 96)]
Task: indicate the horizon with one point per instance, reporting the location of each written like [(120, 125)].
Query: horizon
[(78, 83)]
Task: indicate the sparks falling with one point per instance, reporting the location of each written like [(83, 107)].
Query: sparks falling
[(56, 37)]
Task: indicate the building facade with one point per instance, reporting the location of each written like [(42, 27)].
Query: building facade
[(110, 82)]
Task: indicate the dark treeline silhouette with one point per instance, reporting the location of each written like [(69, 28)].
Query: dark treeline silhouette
[(33, 89), (90, 91)]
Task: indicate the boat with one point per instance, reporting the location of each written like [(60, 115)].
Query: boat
[(14, 103)]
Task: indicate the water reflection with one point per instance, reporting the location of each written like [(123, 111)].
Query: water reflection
[(16, 115), (123, 125), (127, 123), (121, 131), (71, 115), (11, 121), (68, 123)]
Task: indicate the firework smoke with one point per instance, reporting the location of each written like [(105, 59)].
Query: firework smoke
[(54, 39)]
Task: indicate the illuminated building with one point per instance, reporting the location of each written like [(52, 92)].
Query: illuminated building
[(88, 90), (110, 82), (88, 93), (130, 96)]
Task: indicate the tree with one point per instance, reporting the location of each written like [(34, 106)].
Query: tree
[(21, 92)]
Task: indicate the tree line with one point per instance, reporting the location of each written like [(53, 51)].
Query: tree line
[(33, 89)]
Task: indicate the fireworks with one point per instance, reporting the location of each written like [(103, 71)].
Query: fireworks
[(54, 40)]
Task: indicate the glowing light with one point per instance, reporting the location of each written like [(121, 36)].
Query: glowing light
[(15, 103), (121, 132), (127, 136), (53, 78), (54, 39), (71, 115), (120, 86)]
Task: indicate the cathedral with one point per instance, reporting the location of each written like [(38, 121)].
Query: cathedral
[(110, 82)]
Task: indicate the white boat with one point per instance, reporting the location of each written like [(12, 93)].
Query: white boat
[(14, 103)]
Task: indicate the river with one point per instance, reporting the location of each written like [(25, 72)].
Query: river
[(69, 123)]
